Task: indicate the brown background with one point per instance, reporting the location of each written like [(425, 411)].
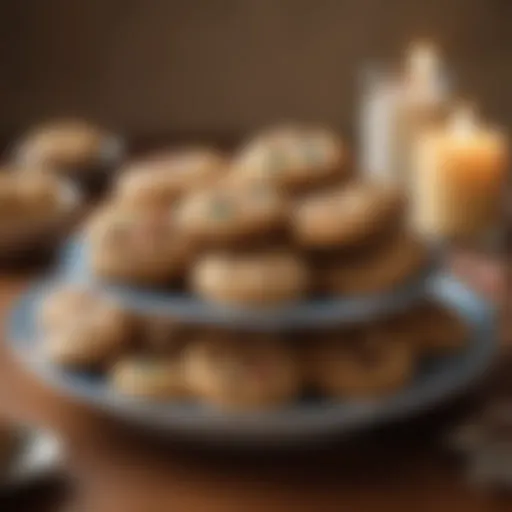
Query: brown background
[(153, 67)]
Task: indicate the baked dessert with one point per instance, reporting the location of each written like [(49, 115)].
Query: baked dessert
[(142, 247), (159, 179), (35, 213), (248, 373), (149, 377), (10, 197), (61, 145), (61, 304), (431, 328), (26, 199), (346, 216), (223, 215), (399, 259), (164, 336), (363, 362), (259, 278), (294, 158), (73, 148), (83, 329)]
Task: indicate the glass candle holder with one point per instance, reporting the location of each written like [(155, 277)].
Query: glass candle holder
[(458, 173)]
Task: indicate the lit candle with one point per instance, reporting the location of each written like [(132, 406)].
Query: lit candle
[(457, 175), (396, 109)]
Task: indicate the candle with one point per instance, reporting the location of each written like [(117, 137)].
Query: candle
[(423, 74), (457, 175), (378, 134), (395, 109)]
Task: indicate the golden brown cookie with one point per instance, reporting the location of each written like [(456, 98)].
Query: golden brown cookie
[(36, 212), (360, 363), (82, 328), (232, 215), (399, 259), (262, 278), (61, 145), (431, 328), (25, 198), (143, 247), (61, 304), (160, 179), (41, 195), (242, 373), (11, 203), (345, 217), (292, 158), (161, 335), (150, 377)]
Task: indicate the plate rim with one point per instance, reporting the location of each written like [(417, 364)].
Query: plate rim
[(307, 313), (291, 421)]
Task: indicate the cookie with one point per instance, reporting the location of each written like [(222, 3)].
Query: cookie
[(293, 158), (142, 248), (399, 259), (149, 377), (431, 328), (360, 363), (41, 195), (263, 278), (36, 212), (83, 329), (61, 145), (9, 197), (61, 305), (345, 217), (161, 335), (231, 215), (242, 373), (24, 198), (160, 179)]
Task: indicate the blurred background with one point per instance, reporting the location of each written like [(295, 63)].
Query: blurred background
[(162, 68)]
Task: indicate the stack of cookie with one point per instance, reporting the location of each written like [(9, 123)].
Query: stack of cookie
[(281, 221), (154, 359)]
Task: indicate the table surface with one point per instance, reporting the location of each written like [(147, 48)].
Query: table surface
[(112, 468)]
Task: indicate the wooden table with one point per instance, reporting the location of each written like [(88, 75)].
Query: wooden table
[(114, 469)]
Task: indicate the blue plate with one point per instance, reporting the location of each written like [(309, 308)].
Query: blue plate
[(307, 419), (188, 308)]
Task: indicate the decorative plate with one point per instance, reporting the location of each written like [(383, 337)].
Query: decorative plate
[(437, 380)]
